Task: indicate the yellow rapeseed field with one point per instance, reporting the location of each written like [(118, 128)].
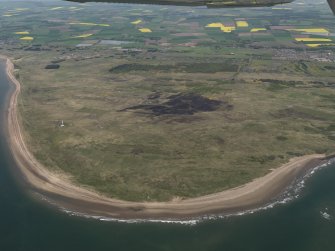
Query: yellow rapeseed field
[(137, 22), (311, 30), (257, 29), (214, 25), (83, 36), (228, 29), (310, 39), (27, 38), (317, 45), (242, 24), (145, 30), (223, 28), (22, 33)]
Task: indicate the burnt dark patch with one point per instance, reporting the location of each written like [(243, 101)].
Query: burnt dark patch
[(182, 104), (52, 67)]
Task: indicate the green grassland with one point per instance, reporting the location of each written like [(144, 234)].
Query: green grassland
[(156, 119), (138, 155)]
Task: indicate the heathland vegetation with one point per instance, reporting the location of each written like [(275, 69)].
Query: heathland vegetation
[(182, 111)]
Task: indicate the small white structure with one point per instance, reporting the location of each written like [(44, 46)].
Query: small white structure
[(62, 124)]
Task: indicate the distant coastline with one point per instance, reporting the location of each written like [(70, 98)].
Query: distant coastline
[(65, 194)]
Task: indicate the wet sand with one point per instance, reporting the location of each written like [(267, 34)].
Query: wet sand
[(64, 194)]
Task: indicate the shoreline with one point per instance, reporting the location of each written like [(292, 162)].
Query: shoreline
[(65, 195)]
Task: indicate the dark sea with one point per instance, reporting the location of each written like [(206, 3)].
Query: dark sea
[(303, 224)]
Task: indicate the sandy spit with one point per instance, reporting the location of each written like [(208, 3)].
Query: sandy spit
[(64, 194)]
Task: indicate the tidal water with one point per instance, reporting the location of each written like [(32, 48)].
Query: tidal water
[(304, 224)]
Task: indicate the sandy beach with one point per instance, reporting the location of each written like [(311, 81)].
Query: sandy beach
[(61, 192)]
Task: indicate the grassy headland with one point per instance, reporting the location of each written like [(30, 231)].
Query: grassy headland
[(194, 107)]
